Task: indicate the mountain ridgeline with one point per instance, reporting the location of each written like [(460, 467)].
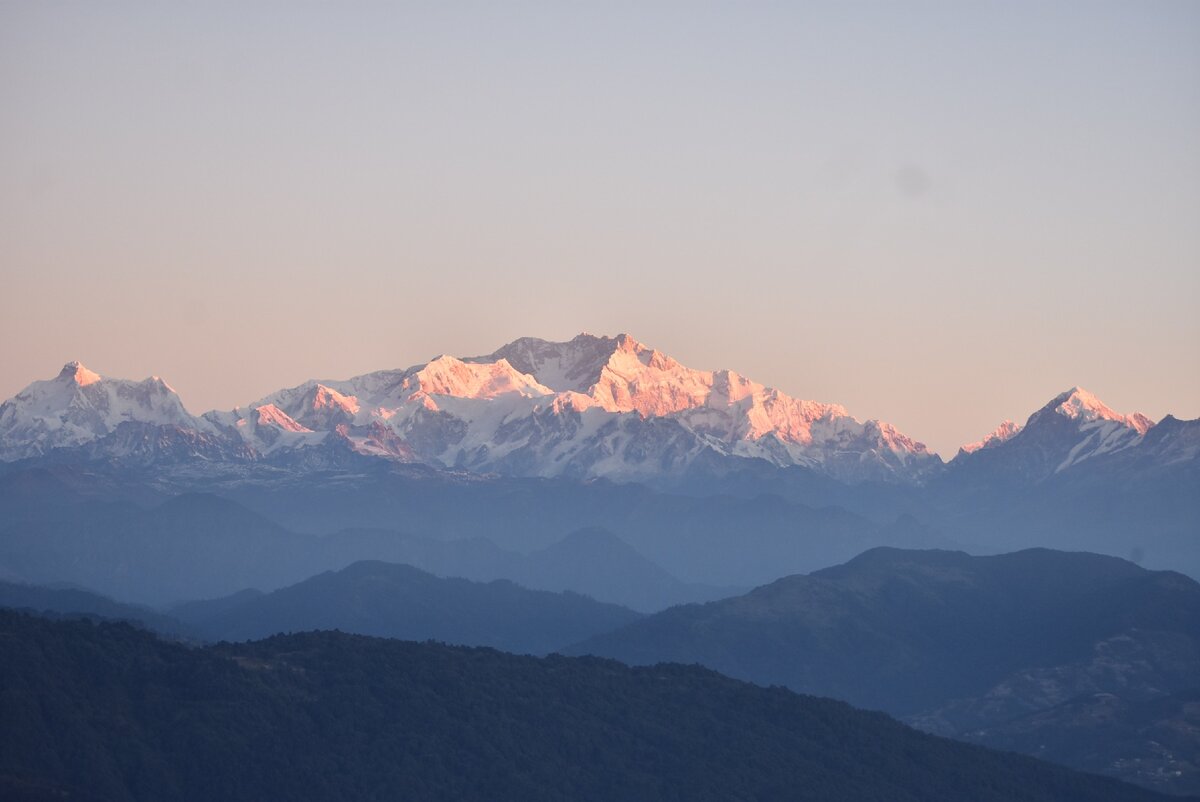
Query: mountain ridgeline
[(399, 601), (367, 598), (107, 713)]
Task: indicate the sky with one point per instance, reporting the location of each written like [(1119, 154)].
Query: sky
[(936, 214)]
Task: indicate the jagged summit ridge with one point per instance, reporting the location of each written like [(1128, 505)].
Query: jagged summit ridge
[(622, 375), (592, 406), (596, 406), (573, 366)]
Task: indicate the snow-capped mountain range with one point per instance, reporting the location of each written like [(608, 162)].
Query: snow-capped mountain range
[(592, 407)]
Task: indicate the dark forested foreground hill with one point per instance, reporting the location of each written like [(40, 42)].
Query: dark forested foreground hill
[(120, 715), (1068, 656)]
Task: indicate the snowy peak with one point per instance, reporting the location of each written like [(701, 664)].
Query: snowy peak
[(580, 364), (315, 405), (571, 366), (78, 374), (642, 380), (1000, 434), (1100, 429), (619, 373), (450, 376), (323, 407), (265, 428), (1073, 427), (725, 411), (1080, 405), (79, 406), (271, 415), (327, 398)]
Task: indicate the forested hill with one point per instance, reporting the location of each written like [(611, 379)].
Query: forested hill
[(121, 715)]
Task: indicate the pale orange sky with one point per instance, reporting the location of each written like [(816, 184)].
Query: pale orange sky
[(936, 215)]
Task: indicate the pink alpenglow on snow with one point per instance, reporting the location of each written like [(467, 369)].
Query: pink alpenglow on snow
[(997, 436), (1081, 405), (593, 406)]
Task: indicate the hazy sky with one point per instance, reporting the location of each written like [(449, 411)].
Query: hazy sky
[(937, 214)]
